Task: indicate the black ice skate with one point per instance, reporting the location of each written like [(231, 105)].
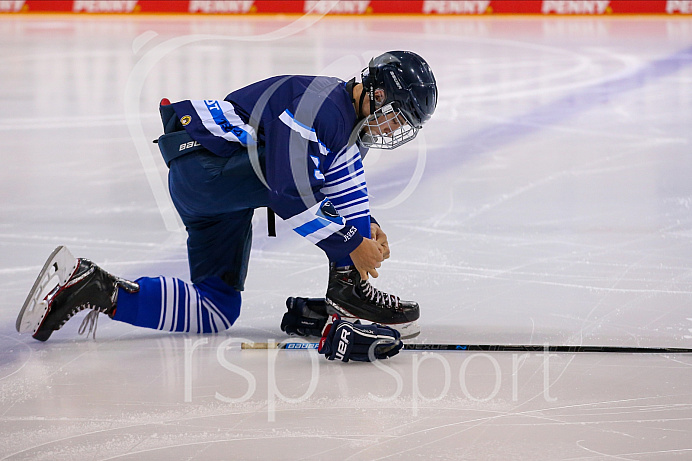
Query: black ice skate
[(353, 298), (81, 285)]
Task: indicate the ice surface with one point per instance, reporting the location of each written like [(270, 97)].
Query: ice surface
[(548, 201)]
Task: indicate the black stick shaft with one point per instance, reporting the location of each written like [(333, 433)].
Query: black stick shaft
[(544, 348), (494, 348)]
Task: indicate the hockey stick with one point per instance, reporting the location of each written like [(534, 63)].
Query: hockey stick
[(491, 348)]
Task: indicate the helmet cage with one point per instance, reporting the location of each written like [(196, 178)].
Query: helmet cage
[(387, 128)]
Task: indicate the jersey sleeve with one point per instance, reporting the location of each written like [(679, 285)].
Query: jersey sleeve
[(346, 188), (296, 166)]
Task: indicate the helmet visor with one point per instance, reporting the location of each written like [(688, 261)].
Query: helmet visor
[(387, 128)]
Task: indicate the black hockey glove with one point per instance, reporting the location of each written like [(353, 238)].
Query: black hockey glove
[(305, 316), (346, 341)]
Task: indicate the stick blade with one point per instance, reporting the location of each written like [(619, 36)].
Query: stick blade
[(251, 345)]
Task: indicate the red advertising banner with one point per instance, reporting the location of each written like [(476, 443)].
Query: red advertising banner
[(351, 7)]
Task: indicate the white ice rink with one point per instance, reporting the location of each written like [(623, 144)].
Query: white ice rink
[(549, 200)]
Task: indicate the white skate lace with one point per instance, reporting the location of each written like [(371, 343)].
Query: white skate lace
[(379, 297), (90, 321)]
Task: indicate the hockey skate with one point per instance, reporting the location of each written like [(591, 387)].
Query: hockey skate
[(353, 298), (81, 284)]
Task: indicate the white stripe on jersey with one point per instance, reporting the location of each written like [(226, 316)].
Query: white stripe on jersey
[(304, 131), (303, 217), (335, 188), (207, 118), (355, 201), (324, 232), (312, 226), (333, 169), (350, 211), (360, 187), (346, 156), (360, 215)]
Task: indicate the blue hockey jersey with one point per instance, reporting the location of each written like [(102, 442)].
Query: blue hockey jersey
[(302, 124)]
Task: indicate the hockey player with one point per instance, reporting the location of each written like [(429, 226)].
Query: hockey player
[(295, 144)]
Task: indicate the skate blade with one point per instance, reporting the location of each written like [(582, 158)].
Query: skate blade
[(60, 265), (407, 330)]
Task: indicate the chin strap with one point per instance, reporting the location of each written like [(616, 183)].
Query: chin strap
[(349, 87), (369, 85), (372, 101)]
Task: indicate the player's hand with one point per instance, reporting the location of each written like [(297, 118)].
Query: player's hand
[(380, 237), (367, 257)]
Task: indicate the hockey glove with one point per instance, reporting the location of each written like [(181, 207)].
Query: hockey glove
[(346, 341), (305, 316)]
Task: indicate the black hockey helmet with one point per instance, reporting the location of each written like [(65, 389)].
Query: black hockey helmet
[(410, 90)]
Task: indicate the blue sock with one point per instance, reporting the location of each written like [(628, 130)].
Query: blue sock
[(170, 304)]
